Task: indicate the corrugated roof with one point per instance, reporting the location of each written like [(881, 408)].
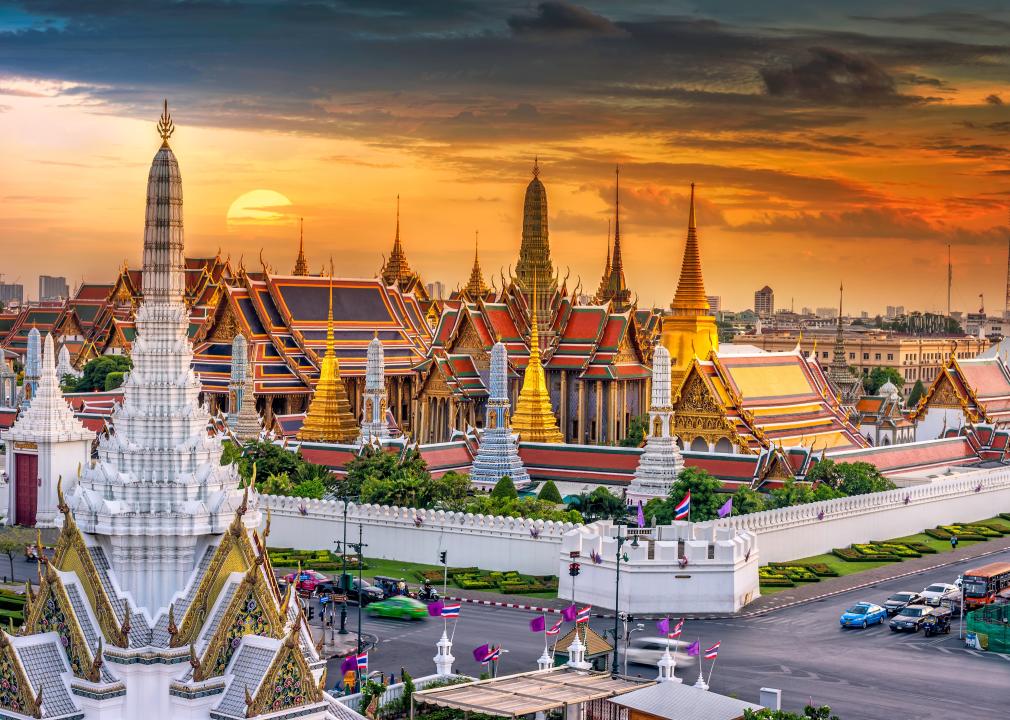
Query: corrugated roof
[(676, 701)]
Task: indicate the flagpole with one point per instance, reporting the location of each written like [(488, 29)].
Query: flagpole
[(712, 669)]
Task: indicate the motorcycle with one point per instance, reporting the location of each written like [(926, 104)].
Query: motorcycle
[(427, 593)]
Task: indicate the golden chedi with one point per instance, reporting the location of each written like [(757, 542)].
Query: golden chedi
[(534, 418)]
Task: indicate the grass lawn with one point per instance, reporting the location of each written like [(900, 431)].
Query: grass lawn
[(938, 545)]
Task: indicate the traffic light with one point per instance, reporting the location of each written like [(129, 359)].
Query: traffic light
[(573, 569), (442, 556)]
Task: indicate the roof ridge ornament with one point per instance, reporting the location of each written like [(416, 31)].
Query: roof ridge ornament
[(165, 125)]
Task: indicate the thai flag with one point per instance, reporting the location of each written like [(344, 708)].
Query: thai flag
[(555, 628), (677, 630), (713, 651), (493, 655), (683, 509), (363, 662), (583, 616), (451, 611)]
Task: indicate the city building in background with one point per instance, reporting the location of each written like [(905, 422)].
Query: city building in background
[(715, 304), (764, 302), (53, 288), (12, 293)]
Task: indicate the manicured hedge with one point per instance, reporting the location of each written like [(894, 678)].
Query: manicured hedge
[(819, 569), (851, 555)]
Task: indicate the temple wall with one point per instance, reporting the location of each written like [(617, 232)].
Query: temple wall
[(485, 541), (805, 530)]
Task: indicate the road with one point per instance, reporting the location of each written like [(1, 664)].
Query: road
[(871, 674)]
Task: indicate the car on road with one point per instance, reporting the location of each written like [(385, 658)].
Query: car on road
[(400, 607), (648, 650), (938, 592), (910, 618), (308, 580), (362, 593), (899, 600), (863, 614)]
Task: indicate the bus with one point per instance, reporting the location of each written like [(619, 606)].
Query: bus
[(981, 585)]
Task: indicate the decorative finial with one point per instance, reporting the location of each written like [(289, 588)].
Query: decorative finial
[(536, 166), (165, 125), (692, 223), (173, 629)]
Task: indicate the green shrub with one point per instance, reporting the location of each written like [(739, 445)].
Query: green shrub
[(454, 571), (937, 533), (776, 582), (921, 548)]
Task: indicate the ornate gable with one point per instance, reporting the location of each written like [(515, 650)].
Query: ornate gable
[(52, 611), (944, 393), (252, 611), (235, 553), (226, 327), (698, 413), (16, 692), (288, 683)]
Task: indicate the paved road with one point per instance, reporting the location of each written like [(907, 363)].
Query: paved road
[(871, 674)]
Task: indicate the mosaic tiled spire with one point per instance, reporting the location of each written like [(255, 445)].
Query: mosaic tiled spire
[(397, 269), (475, 286), (64, 366), (158, 487), (329, 418), (33, 365), (498, 454), (690, 298), (614, 287), (661, 462), (243, 419), (534, 418), (301, 264), (534, 270), (373, 405)]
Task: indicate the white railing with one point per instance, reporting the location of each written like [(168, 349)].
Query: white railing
[(395, 691)]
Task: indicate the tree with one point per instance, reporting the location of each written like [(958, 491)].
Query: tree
[(549, 493), (637, 429), (93, 378), (857, 478), (505, 488), (278, 470), (706, 493), (600, 504), (376, 463), (13, 541), (527, 507), (880, 375), (746, 501), (114, 380), (791, 493), (918, 390)]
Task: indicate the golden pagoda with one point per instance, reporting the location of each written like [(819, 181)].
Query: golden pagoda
[(534, 418), (329, 418), (301, 264), (690, 330), (475, 286)]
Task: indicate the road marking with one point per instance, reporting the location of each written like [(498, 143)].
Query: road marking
[(976, 653)]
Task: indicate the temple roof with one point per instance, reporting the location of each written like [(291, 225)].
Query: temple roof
[(690, 298), (979, 386)]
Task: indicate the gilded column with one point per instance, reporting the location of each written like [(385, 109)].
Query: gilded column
[(581, 435)]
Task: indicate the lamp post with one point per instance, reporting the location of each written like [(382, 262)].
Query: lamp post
[(622, 534), (343, 572)]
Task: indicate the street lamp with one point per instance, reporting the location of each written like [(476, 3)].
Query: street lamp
[(622, 534), (342, 546)]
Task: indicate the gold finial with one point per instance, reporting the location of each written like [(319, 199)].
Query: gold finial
[(692, 223), (173, 629), (536, 166), (165, 125)]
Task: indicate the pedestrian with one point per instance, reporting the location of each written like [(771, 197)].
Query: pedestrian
[(953, 542), (392, 678)]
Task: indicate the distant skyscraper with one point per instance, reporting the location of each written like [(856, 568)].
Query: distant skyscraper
[(436, 290), (11, 292), (715, 303), (53, 287), (764, 302)]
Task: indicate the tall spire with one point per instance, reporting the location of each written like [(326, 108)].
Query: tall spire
[(618, 262), (397, 269), (329, 417), (165, 125), (661, 462), (690, 298), (534, 267), (475, 286), (373, 403), (498, 454), (301, 264), (534, 417)]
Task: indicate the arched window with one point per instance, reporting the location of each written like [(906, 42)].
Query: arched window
[(724, 446), (699, 445)]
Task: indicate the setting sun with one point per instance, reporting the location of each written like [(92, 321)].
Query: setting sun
[(259, 207)]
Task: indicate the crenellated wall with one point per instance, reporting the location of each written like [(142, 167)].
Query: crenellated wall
[(805, 530), (486, 541)]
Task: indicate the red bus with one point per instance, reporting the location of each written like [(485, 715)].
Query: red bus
[(981, 585)]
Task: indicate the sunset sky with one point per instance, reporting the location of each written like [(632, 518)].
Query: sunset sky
[(830, 141)]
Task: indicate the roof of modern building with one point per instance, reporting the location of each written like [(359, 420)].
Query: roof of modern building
[(677, 701)]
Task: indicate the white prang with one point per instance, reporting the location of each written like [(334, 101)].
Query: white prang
[(47, 428), (158, 489), (243, 420), (373, 403), (64, 367), (661, 462), (33, 366), (498, 454)]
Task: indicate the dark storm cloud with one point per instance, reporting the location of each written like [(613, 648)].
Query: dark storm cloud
[(962, 22), (562, 18), (993, 99), (834, 77)]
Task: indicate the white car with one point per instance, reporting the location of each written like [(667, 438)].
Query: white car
[(938, 592), (648, 650)]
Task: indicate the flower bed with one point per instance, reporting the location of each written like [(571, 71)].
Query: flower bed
[(311, 559), (788, 574), (509, 582)]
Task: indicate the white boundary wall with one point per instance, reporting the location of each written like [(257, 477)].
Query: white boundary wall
[(485, 541), (804, 530)]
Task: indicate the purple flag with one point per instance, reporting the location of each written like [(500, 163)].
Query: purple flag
[(726, 509), (538, 624), (435, 608), (570, 613), (663, 625), (694, 648), (641, 515), (480, 653), (349, 664)]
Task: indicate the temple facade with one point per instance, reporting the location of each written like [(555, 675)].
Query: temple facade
[(160, 601)]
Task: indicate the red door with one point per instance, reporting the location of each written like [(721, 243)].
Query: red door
[(26, 489)]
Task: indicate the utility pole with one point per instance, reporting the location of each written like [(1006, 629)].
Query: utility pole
[(622, 533)]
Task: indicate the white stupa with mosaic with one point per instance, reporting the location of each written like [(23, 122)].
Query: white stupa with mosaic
[(160, 602), (661, 461), (374, 425), (498, 453)]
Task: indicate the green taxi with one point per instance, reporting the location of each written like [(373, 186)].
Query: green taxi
[(401, 607)]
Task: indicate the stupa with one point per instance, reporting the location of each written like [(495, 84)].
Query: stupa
[(498, 453), (374, 426), (661, 461), (534, 417), (160, 601), (33, 366), (243, 420)]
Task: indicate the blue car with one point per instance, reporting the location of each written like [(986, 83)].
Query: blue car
[(862, 614)]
